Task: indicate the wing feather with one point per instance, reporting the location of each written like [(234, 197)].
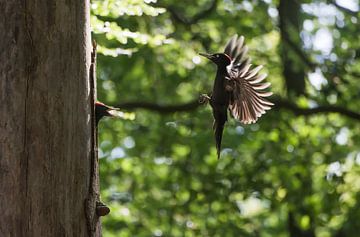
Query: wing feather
[(257, 79), (244, 87), (253, 72), (248, 99), (244, 71), (229, 48), (261, 86)]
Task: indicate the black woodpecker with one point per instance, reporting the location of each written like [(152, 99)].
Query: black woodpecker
[(103, 110), (237, 88)]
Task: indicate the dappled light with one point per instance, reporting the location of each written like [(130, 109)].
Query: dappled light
[(295, 172)]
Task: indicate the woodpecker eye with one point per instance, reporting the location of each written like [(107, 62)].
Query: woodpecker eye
[(217, 55)]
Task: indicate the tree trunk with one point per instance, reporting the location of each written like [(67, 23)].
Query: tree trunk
[(46, 127), (290, 25)]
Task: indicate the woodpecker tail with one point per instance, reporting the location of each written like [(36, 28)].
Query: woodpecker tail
[(218, 131)]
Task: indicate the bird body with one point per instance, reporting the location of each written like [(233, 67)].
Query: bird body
[(219, 102), (236, 88), (220, 96)]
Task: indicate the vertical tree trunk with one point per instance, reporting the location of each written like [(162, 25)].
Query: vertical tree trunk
[(290, 24), (46, 134)]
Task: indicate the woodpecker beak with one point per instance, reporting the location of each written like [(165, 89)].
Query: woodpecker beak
[(115, 112), (207, 55)]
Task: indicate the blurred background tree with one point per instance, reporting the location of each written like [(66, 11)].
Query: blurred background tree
[(294, 173)]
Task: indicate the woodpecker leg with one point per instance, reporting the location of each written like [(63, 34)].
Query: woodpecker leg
[(204, 98)]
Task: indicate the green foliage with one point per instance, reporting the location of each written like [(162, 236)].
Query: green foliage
[(159, 173)]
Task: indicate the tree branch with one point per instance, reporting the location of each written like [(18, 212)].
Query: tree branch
[(279, 105), (284, 104), (163, 109)]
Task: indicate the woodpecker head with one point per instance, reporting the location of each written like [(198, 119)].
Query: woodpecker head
[(220, 59), (102, 110)]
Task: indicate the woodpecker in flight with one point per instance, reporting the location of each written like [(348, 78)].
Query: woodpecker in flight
[(237, 87)]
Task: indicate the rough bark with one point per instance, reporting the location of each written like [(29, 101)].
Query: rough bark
[(46, 134)]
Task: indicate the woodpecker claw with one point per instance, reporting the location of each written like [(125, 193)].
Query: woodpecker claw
[(204, 98)]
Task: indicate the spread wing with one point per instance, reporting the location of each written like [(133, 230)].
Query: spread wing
[(247, 98), (237, 50)]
